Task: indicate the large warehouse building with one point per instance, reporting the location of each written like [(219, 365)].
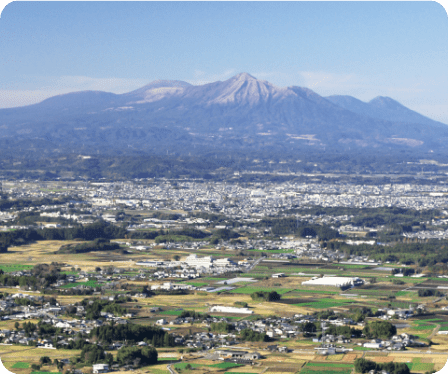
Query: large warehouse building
[(342, 282)]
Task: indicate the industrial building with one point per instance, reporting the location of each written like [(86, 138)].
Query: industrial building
[(342, 282)]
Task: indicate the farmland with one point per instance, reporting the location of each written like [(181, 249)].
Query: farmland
[(170, 267)]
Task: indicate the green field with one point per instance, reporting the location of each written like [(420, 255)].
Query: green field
[(172, 312), (417, 365), (69, 272), (421, 321), (422, 327), (357, 348), (225, 365), (9, 268), (347, 266), (315, 368), (197, 284), (182, 365), (325, 303), (332, 365), (87, 284), (250, 290), (20, 365), (317, 292)]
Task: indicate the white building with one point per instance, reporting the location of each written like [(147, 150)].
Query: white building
[(230, 309), (373, 345), (150, 263), (194, 260), (100, 368), (223, 262), (334, 281)]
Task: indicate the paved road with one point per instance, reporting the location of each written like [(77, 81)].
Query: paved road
[(434, 332), (253, 265), (171, 370)]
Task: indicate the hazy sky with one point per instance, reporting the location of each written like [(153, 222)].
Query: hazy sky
[(362, 49)]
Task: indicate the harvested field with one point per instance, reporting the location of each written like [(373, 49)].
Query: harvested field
[(382, 359), (351, 356)]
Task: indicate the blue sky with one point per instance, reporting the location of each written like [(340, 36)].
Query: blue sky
[(362, 49)]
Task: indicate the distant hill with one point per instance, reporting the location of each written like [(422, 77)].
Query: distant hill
[(382, 108), (241, 113)]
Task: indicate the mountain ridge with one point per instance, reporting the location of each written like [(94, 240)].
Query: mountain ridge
[(241, 112)]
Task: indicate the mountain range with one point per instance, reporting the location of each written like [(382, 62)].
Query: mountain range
[(241, 113)]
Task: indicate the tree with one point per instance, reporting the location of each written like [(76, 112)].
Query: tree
[(92, 353), (364, 366), (379, 329), (146, 355), (45, 360)]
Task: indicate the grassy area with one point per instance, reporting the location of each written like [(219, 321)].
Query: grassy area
[(183, 365), (197, 284), (325, 303), (20, 365), (225, 365), (87, 284), (324, 368), (357, 348), (347, 266), (70, 272), (251, 290), (317, 292), (420, 321), (423, 327), (417, 365), (9, 268)]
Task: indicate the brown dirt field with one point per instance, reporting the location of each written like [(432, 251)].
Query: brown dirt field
[(377, 354), (274, 359), (402, 359), (351, 356), (426, 361), (383, 359)]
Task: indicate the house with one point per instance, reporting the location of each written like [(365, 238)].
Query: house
[(373, 345), (100, 368), (239, 355)]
